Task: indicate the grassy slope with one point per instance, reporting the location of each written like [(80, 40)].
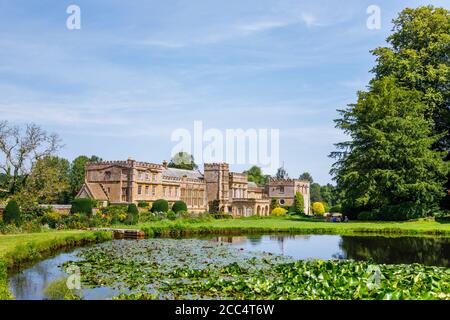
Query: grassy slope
[(293, 224)]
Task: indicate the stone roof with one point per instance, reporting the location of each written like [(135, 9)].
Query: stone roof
[(180, 173), (94, 190), (252, 185)]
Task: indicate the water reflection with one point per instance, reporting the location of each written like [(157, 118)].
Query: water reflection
[(428, 251)]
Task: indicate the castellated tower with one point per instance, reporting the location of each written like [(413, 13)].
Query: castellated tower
[(217, 178)]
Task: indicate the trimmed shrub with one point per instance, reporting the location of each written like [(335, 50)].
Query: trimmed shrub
[(160, 205), (299, 203), (279, 211), (82, 205), (143, 204), (318, 208), (12, 213), (179, 206), (132, 214)]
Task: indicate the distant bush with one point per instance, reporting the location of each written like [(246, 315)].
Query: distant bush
[(114, 214), (336, 209), (53, 219), (132, 214), (222, 215), (279, 211), (143, 204), (82, 205), (366, 216), (160, 205), (318, 208), (171, 215), (179, 206), (11, 214)]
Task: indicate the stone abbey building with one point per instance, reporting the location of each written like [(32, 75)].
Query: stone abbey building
[(132, 181)]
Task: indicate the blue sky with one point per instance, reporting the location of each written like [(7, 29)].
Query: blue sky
[(137, 70)]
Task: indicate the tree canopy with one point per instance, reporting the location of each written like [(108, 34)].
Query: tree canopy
[(256, 175), (183, 160), (389, 164), (306, 176)]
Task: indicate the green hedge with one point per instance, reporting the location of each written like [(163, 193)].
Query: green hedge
[(82, 206)]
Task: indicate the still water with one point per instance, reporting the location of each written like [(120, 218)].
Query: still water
[(31, 282)]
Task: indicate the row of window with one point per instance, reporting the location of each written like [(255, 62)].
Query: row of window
[(147, 176), (147, 190)]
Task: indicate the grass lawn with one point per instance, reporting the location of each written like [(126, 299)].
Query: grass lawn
[(294, 224), (9, 242)]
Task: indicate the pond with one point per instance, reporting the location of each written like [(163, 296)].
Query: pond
[(125, 266)]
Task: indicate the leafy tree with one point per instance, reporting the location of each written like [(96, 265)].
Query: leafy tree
[(281, 173), (299, 203), (12, 213), (20, 148), (417, 55), (256, 175), (389, 164), (48, 181), (315, 192), (78, 172), (160, 205), (329, 194), (183, 160), (306, 176), (318, 208)]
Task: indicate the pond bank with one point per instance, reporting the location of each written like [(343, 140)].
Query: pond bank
[(19, 250), (290, 225)]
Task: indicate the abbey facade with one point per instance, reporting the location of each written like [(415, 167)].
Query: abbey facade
[(132, 181)]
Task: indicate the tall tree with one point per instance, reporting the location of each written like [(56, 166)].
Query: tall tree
[(389, 164), (256, 175), (281, 173), (418, 56), (48, 181), (306, 176), (315, 192), (183, 160), (20, 149), (77, 172)]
